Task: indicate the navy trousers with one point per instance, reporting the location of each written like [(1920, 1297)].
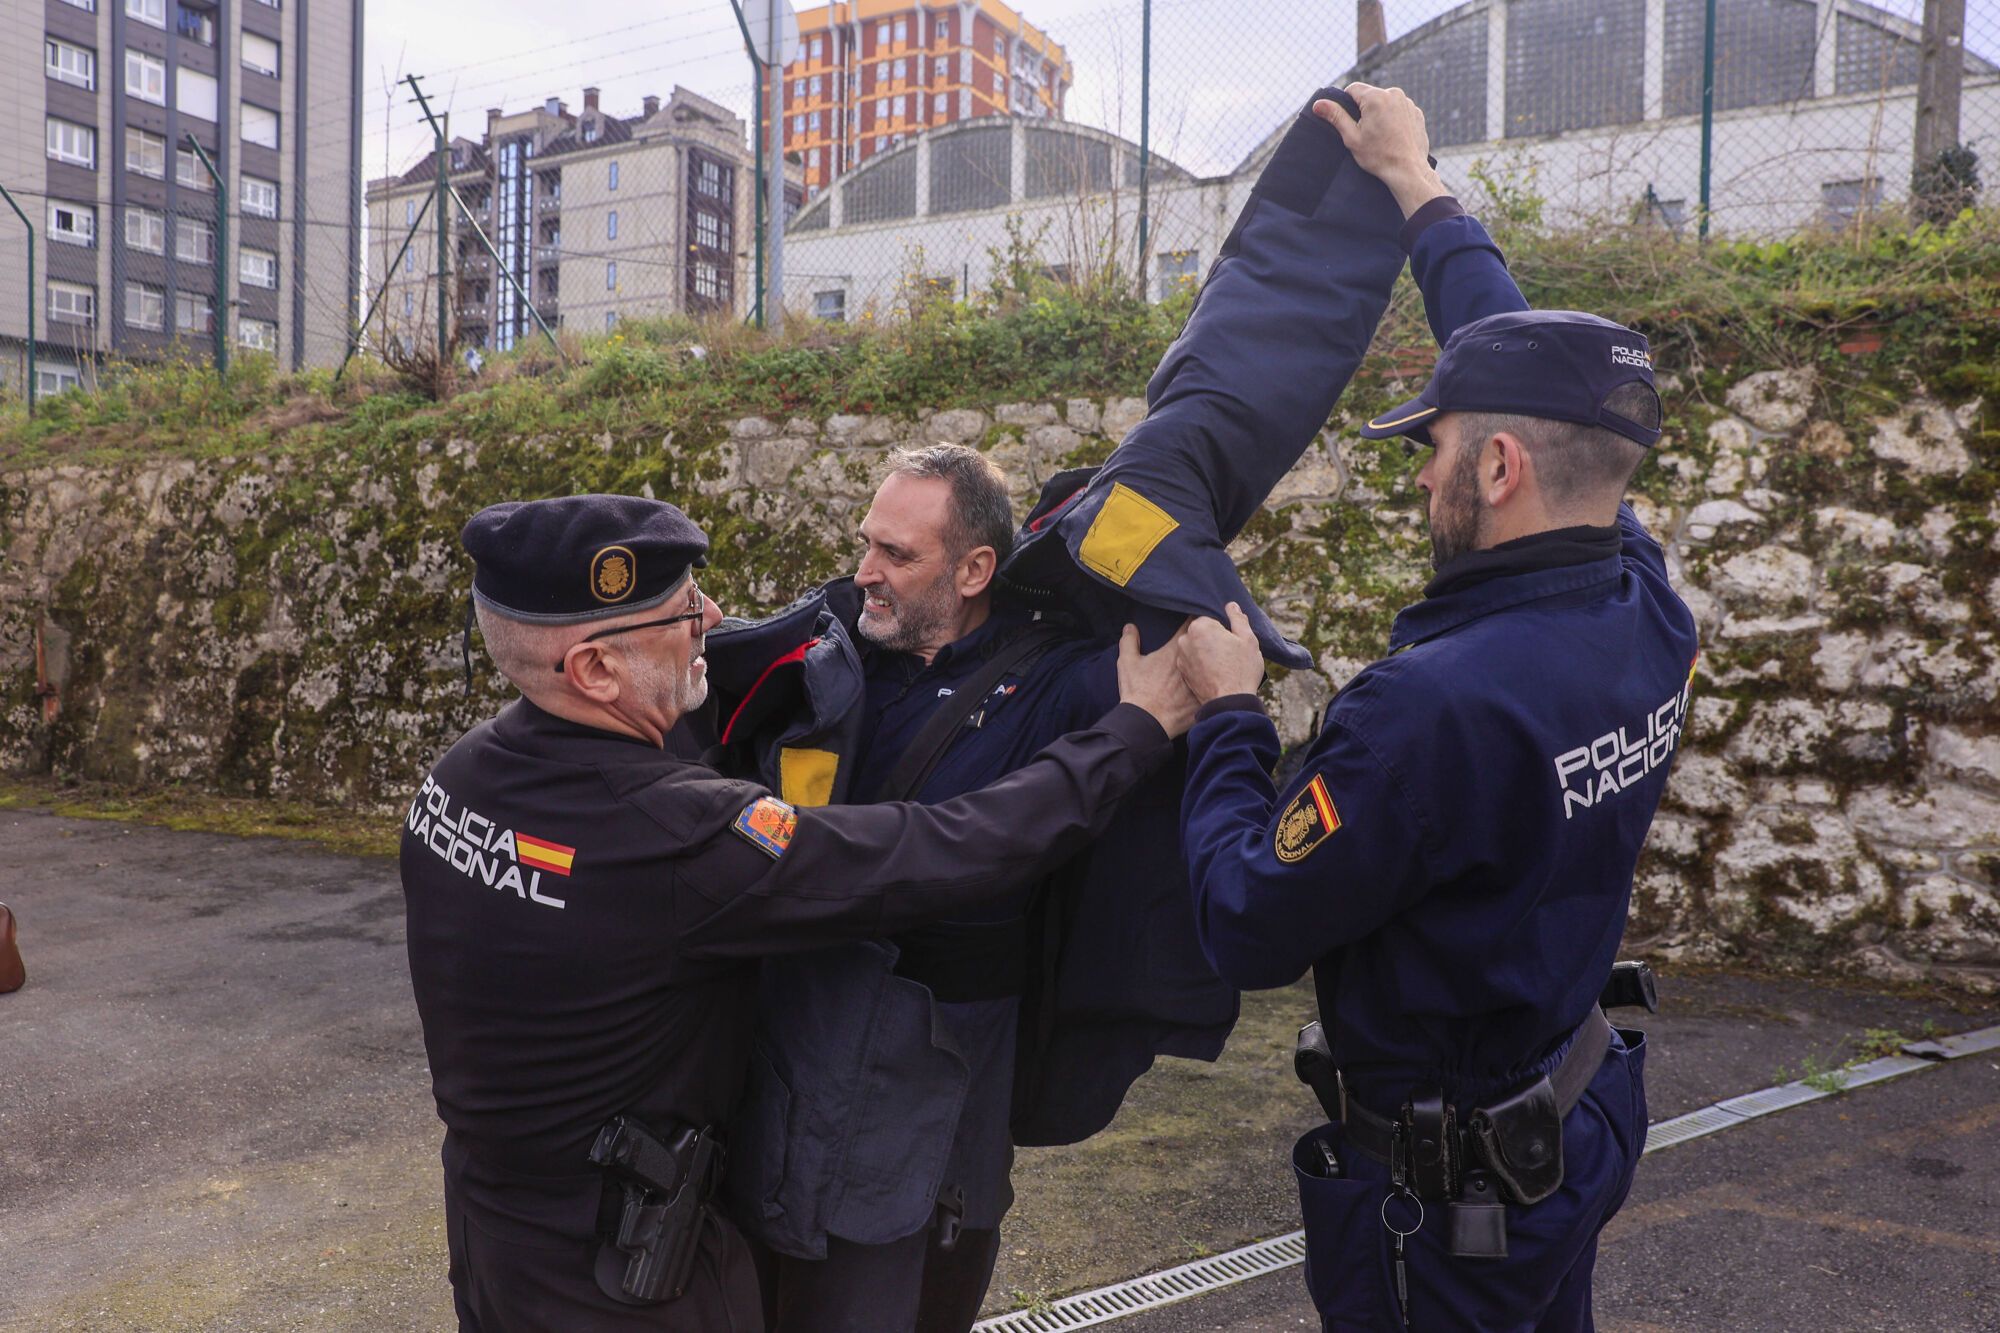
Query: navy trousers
[(1542, 1284)]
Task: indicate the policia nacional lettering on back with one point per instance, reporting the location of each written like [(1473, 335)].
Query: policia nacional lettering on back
[(585, 916)]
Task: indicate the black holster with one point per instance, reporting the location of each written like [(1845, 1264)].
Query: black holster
[(647, 1254), (1520, 1141)]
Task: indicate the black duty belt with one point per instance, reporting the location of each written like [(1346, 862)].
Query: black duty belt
[(1375, 1135)]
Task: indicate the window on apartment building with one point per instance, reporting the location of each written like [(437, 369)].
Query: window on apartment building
[(830, 306), (260, 126), (145, 154), (941, 105), (611, 225), (145, 230), (194, 312), (259, 335), (610, 275), (901, 70), (269, 4), (71, 64), (941, 28), (194, 93), (812, 159), (87, 6), (189, 171), (72, 143), (409, 212), (902, 30), (260, 54), (881, 142), (72, 303), (611, 176), (197, 25), (148, 11), (798, 124), (881, 35), (72, 224), (409, 261), (943, 67), (707, 281), (257, 268), (812, 122), (1841, 202), (409, 305), (260, 197), (896, 106), (708, 178), (52, 380), (815, 85), (999, 46), (146, 77), (708, 230), (194, 241), (590, 131), (1177, 270), (145, 306)]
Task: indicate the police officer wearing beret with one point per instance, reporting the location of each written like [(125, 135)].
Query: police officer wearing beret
[(1453, 859), (585, 912)]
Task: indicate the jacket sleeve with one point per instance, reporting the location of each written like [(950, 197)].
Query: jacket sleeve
[(865, 871), (1283, 878), (1458, 268)]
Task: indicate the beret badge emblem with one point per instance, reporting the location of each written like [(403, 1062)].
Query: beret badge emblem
[(613, 574)]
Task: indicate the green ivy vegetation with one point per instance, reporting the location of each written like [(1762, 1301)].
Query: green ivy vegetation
[(1931, 294)]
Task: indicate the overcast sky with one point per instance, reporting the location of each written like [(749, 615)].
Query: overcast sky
[(1224, 71)]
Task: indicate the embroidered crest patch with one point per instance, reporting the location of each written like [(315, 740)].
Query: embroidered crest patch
[(1307, 822), (613, 574), (768, 824)]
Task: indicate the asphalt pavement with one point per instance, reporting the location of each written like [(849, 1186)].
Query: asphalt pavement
[(215, 1114)]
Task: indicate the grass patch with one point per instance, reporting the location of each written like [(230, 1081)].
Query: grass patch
[(334, 829)]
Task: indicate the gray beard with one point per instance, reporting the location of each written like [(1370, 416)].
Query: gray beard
[(915, 621)]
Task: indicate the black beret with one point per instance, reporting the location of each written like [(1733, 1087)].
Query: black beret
[(580, 557)]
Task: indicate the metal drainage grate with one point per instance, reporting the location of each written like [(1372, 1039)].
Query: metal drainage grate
[(1280, 1252), (1155, 1289)]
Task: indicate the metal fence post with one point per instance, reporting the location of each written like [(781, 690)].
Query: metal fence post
[(221, 317), (32, 295), (1707, 109), (443, 238), (1145, 132), (757, 141)]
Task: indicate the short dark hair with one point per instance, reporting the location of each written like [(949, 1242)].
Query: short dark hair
[(1577, 463), (982, 513)]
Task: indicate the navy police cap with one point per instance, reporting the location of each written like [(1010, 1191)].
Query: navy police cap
[(580, 557), (1561, 365)]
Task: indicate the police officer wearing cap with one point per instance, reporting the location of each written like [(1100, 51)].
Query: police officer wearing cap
[(1453, 859), (585, 912)]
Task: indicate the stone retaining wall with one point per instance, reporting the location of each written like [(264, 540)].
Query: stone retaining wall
[(290, 626)]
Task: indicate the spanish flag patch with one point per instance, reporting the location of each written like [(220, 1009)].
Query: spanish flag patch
[(1308, 821), (768, 823)]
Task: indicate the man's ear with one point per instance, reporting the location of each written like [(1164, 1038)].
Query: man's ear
[(1504, 468), (976, 569), (590, 673)]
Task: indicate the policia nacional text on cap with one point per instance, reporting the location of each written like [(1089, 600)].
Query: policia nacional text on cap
[(586, 913)]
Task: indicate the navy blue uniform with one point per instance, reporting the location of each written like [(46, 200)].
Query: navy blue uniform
[(585, 917), (1453, 860)]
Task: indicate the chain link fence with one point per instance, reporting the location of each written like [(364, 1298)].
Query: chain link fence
[(952, 149), (1582, 113)]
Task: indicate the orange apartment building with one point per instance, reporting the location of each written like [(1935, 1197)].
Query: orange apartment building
[(870, 73)]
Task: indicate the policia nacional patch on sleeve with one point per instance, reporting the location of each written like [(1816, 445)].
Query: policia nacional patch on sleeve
[(1307, 822), (768, 823)]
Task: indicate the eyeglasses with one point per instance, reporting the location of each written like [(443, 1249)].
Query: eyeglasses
[(697, 609)]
